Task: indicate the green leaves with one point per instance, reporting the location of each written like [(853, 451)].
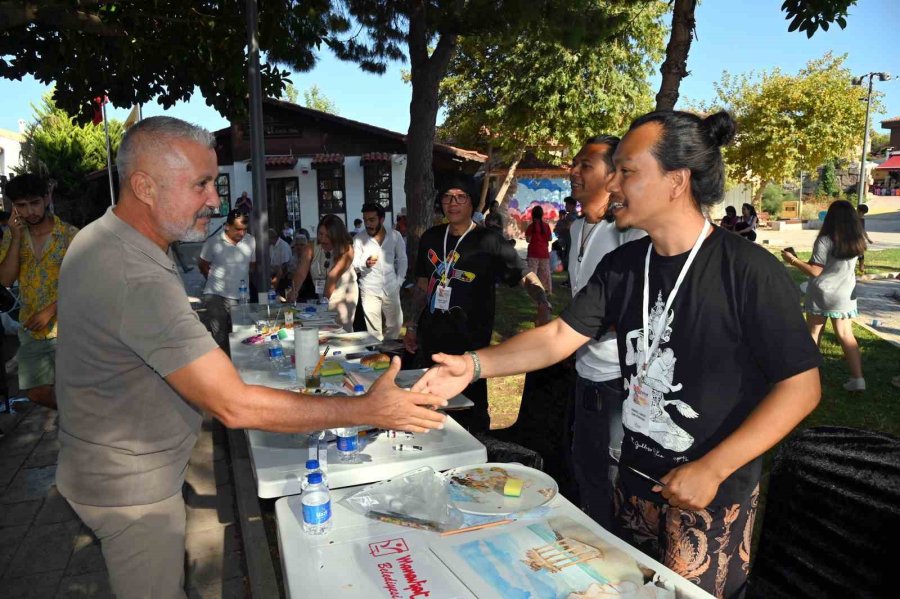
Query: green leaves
[(788, 123), (163, 50), (810, 15), (533, 91), (58, 147)]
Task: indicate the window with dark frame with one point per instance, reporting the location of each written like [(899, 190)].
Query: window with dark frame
[(332, 196), (223, 188), (377, 184)]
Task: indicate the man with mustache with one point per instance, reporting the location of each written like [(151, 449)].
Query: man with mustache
[(32, 253), (379, 257), (136, 367)]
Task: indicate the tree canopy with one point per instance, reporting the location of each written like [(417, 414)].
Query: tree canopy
[(315, 99), (804, 15), (787, 123), (569, 95), (136, 52), (427, 33), (65, 151)]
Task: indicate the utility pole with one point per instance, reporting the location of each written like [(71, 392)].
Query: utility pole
[(860, 192), (260, 224)]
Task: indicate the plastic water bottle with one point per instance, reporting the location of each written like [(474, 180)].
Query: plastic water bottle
[(348, 438), (312, 466), (316, 502), (272, 296), (276, 352), (243, 300)]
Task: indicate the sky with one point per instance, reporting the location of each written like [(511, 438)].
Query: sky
[(735, 36)]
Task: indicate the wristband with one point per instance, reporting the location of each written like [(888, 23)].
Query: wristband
[(477, 365)]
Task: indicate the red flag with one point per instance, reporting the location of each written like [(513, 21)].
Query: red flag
[(98, 110)]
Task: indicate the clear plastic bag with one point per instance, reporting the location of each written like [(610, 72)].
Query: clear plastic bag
[(418, 499)]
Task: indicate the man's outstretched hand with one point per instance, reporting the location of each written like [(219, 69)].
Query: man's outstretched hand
[(448, 377), (389, 407)]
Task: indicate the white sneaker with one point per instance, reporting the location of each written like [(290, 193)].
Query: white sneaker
[(855, 385)]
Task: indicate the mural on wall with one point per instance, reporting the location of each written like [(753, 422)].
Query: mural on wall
[(549, 194)]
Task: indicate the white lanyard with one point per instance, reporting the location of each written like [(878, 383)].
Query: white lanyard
[(444, 276), (645, 314)]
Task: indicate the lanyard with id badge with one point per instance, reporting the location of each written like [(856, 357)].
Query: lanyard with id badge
[(443, 291), (639, 409)]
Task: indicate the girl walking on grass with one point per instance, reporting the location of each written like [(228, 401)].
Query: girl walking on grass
[(832, 284)]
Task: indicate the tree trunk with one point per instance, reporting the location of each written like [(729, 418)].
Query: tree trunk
[(426, 74), (757, 196), (507, 181), (486, 181), (674, 69)]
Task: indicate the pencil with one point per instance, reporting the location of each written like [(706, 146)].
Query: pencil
[(321, 361), (476, 527)]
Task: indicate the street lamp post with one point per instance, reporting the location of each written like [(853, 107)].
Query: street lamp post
[(860, 192)]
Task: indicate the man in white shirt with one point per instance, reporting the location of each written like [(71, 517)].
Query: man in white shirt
[(379, 257), (599, 388), (225, 260), (279, 256)]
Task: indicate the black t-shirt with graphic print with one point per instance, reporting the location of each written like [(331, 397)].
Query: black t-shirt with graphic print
[(735, 329), (484, 259)]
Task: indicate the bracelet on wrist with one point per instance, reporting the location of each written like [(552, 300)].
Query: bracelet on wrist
[(476, 363)]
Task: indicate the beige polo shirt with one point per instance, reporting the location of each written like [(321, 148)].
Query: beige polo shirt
[(125, 323)]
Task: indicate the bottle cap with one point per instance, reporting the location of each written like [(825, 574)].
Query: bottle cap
[(315, 478), (359, 389), (312, 464), (274, 337)]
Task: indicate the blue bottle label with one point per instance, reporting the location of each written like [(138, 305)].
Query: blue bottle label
[(317, 514), (348, 443)]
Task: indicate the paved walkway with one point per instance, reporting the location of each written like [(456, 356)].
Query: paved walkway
[(46, 552)]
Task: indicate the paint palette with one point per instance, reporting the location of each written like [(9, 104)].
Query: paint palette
[(479, 489)]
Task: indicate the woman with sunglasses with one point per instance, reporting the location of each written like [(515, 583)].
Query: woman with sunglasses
[(332, 269)]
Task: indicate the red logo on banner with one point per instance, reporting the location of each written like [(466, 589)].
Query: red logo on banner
[(388, 547)]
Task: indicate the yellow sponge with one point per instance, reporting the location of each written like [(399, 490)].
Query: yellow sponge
[(330, 368), (513, 487)]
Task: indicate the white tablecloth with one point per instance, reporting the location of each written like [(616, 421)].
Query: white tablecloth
[(279, 459), (350, 561)]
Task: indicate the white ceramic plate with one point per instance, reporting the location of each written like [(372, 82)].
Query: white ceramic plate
[(479, 489)]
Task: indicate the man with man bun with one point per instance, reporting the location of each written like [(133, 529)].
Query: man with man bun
[(713, 348)]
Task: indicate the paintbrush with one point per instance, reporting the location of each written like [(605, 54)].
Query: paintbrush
[(404, 520), (321, 361), (447, 533), (650, 478)]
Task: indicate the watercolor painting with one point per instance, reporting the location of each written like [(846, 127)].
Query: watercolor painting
[(554, 558)]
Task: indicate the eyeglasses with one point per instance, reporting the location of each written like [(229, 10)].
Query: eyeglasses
[(327, 260), (455, 198)]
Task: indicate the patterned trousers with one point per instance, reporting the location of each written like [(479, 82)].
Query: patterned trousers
[(709, 547)]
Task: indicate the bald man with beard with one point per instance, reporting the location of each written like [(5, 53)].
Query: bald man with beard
[(136, 368)]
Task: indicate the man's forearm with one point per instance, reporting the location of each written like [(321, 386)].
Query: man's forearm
[(786, 405), (531, 350), (419, 301), (284, 411), (534, 289)]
